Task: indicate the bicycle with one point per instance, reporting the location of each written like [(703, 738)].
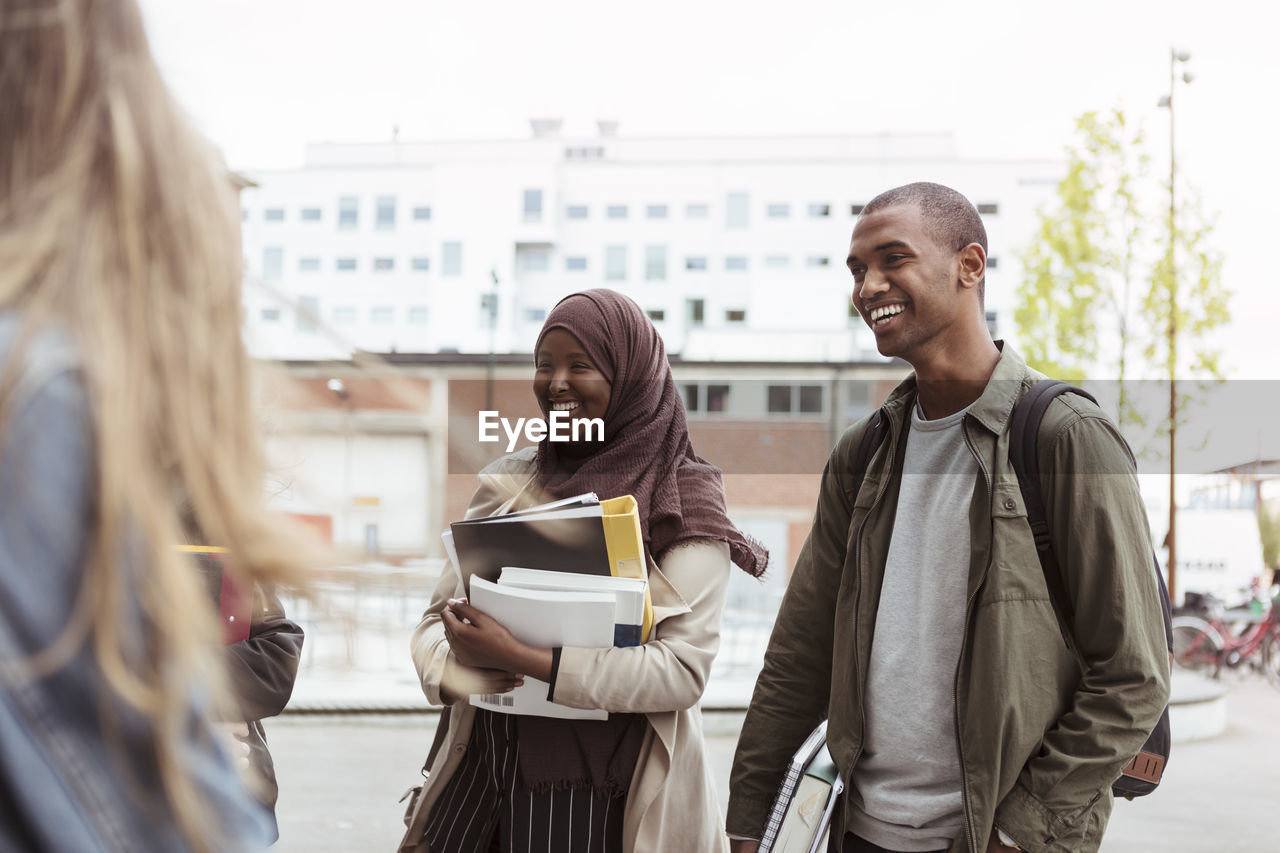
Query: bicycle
[(1206, 645)]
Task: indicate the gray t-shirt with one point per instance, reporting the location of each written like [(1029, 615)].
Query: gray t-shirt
[(905, 793)]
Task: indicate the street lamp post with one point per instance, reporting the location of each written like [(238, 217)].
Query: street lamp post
[(1171, 541), (493, 329), (339, 389)]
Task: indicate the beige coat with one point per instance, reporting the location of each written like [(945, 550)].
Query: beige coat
[(672, 803)]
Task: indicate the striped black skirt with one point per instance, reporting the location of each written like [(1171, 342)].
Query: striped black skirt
[(486, 807)]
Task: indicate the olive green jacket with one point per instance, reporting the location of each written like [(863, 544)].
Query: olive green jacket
[(1042, 732)]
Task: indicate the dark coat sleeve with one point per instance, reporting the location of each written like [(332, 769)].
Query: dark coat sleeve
[(263, 667)]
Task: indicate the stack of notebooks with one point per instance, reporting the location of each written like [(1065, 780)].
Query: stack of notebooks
[(567, 573)]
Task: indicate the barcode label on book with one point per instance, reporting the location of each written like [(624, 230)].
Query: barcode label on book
[(498, 699)]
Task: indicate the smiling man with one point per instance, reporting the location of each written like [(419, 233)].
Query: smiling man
[(917, 620)]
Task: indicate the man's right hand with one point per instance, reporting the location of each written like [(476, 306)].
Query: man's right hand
[(742, 846)]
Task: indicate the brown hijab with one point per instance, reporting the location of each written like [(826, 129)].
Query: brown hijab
[(646, 454)]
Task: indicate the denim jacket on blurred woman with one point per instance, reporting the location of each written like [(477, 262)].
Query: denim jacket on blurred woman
[(76, 769)]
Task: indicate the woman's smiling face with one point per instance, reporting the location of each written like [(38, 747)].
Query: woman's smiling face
[(565, 379)]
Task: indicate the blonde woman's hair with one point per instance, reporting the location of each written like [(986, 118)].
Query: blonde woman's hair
[(120, 227)]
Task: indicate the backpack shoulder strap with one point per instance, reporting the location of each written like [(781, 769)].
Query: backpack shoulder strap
[(871, 438), (1023, 441)]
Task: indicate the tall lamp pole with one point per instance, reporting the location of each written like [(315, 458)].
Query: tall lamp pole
[(493, 328), (1171, 541)]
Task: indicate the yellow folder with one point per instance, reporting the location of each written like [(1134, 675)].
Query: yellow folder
[(626, 549)]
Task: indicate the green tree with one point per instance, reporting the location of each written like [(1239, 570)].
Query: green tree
[(1181, 309), (1080, 267), (1100, 278)]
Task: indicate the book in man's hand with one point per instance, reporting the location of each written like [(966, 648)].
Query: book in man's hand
[(548, 619), (800, 819)]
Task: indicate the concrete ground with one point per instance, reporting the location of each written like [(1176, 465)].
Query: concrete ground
[(341, 775)]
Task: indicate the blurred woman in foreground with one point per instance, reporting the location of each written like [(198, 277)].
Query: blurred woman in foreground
[(124, 390)]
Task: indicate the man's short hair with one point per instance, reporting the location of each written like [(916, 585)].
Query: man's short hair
[(949, 218)]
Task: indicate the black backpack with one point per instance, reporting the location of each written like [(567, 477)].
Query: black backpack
[(1141, 775)]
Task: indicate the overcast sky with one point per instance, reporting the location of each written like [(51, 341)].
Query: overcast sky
[(264, 77)]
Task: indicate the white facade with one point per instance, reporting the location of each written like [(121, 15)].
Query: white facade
[(735, 245)]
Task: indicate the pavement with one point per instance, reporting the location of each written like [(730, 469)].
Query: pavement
[(358, 728), (341, 776)]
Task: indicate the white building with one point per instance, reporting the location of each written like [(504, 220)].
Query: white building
[(735, 246)]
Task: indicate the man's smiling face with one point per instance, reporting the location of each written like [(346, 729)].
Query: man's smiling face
[(905, 285)]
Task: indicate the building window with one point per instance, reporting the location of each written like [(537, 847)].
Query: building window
[(705, 398), (308, 265), (777, 262), (308, 313), (856, 209), (615, 263), (384, 264), (532, 205), (692, 397), (657, 315), (805, 399), (576, 211), (451, 259), (535, 261), (616, 211), (382, 315), (386, 218), (818, 209), (272, 264), (422, 214), (419, 264), (695, 311), (656, 211), (535, 315), (818, 261), (736, 210), (575, 264), (310, 214), (810, 399), (346, 264), (735, 263), (992, 262), (779, 398), (696, 263), (244, 214), (778, 210), (735, 315), (992, 325), (419, 315), (655, 263), (344, 315), (270, 315), (697, 211), (348, 213), (988, 209), (274, 214)]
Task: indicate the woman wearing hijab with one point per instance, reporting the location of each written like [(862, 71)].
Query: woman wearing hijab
[(639, 780)]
